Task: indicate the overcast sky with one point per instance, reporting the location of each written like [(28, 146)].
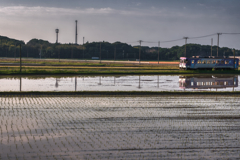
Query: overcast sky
[(122, 20)]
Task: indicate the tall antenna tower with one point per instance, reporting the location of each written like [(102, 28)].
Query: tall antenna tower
[(57, 31), (76, 33)]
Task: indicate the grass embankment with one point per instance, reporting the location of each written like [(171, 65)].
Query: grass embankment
[(79, 67), (52, 62), (120, 93), (104, 70)]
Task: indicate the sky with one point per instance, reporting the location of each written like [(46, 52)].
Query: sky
[(126, 21)]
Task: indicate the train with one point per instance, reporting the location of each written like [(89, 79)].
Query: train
[(198, 62), (208, 82)]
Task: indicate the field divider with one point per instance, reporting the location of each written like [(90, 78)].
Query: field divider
[(119, 93)]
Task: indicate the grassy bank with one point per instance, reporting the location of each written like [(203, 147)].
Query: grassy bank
[(120, 93), (89, 71), (53, 67)]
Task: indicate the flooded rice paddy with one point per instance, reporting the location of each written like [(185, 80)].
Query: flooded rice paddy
[(121, 83), (161, 127)]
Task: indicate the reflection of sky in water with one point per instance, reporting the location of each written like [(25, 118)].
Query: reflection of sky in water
[(99, 83)]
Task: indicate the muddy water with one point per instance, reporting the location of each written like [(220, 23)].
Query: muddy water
[(120, 127), (121, 83)]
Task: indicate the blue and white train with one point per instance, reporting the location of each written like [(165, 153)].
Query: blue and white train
[(197, 62)]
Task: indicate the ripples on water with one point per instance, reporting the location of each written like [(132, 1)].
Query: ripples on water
[(162, 127)]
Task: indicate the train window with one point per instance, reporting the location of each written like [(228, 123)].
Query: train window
[(198, 83), (213, 62), (192, 61), (203, 62), (181, 61), (222, 61), (226, 83), (217, 62), (208, 62), (192, 83), (199, 62), (226, 62)]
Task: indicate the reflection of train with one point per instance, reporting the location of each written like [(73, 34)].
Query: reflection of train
[(207, 82), (197, 62)]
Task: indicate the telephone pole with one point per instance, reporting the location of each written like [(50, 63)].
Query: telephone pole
[(83, 47), (185, 45), (140, 41), (20, 54), (218, 42), (158, 50), (100, 52), (115, 52), (211, 45), (76, 33)]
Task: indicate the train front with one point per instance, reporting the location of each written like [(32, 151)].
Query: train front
[(183, 62)]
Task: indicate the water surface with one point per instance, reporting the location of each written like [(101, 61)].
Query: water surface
[(120, 83)]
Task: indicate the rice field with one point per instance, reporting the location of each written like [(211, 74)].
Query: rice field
[(161, 127)]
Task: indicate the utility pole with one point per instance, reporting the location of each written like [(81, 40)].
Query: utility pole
[(140, 41), (218, 42), (71, 51), (158, 50), (40, 54), (76, 33), (15, 52), (234, 58), (185, 45), (20, 54), (27, 51), (100, 52), (83, 47), (58, 54), (211, 45), (115, 53)]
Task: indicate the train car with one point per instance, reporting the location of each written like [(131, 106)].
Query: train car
[(207, 82), (197, 62)]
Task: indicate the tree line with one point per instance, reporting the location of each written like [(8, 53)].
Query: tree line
[(104, 50)]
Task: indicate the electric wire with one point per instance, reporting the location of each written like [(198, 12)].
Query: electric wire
[(210, 35), (230, 33)]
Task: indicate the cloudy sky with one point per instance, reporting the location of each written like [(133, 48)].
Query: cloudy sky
[(123, 20)]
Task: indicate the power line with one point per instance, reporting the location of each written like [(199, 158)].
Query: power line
[(202, 36), (171, 40), (149, 42), (182, 38), (230, 33), (131, 42)]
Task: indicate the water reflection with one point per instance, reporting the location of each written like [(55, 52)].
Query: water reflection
[(56, 84), (118, 83), (208, 82), (100, 81), (20, 84), (139, 83), (75, 84)]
